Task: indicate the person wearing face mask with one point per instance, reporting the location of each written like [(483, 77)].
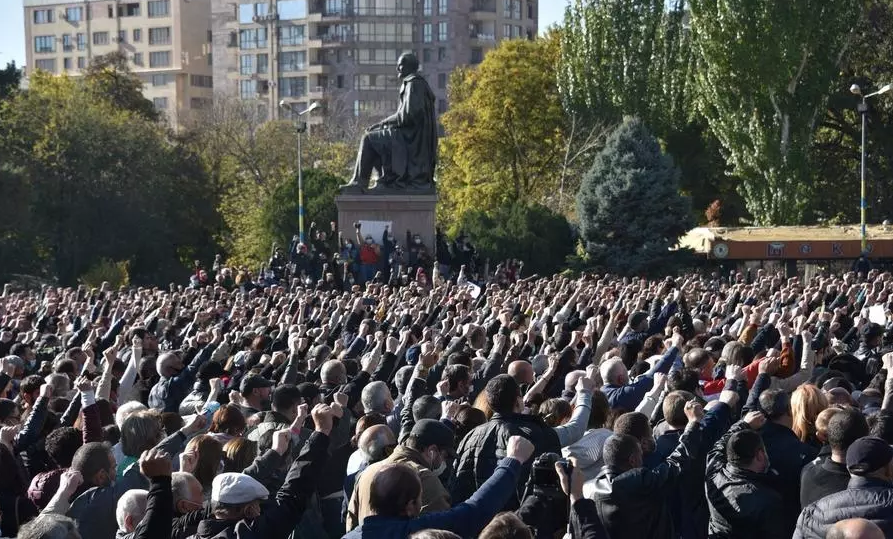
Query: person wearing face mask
[(370, 254), (870, 463), (426, 451), (418, 252), (740, 485)]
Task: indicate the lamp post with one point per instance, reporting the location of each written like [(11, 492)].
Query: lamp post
[(300, 127), (863, 110)]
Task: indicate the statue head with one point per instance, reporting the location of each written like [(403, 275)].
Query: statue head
[(407, 65)]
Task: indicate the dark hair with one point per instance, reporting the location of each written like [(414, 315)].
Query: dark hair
[(555, 411), (652, 346), (456, 374), (7, 408), (502, 394), (619, 450), (634, 424), (639, 368), (684, 380), (506, 525), (393, 486), (401, 379), (629, 352), (228, 419), (31, 383), (285, 397), (111, 434), (459, 358), (844, 428), (209, 454), (210, 370), (775, 403), (62, 444), (601, 410), (696, 358), (467, 419), (743, 447), (674, 408), (172, 422), (426, 407), (881, 425), (90, 459), (238, 454), (66, 366)]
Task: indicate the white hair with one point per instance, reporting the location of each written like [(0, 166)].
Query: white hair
[(608, 370), (133, 503), (375, 397), (126, 410), (180, 482), (374, 441), (49, 526)]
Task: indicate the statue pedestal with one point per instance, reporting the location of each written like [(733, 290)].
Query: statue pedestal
[(405, 211)]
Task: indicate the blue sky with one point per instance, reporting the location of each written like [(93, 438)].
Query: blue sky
[(12, 31)]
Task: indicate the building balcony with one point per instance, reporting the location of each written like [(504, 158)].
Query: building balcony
[(317, 67), (334, 40), (483, 6)]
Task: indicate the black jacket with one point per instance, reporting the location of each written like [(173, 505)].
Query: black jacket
[(743, 504), (483, 447), (820, 478), (280, 517), (636, 503), (865, 497), (787, 456)]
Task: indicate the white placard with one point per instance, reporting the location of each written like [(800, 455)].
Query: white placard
[(375, 229), (877, 315)]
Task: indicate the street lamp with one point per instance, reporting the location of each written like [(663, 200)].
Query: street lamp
[(300, 127), (863, 110)]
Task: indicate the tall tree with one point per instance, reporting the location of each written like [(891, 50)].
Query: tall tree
[(631, 212), (10, 77), (111, 78), (765, 70)]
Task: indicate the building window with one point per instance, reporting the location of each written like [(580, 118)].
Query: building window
[(138, 59), (442, 31), (246, 13), (201, 81), (373, 107), (66, 43), (159, 8), (160, 36), (262, 9), (44, 16), (82, 62), (441, 80), (82, 41), (199, 103), (137, 35), (531, 9), (339, 81), (246, 64), (122, 36), (48, 64), (100, 38), (45, 44), (441, 54), (247, 89), (428, 8), (160, 103), (511, 9), (66, 64), (292, 86), (129, 10), (291, 9), (441, 106), (516, 31), (426, 55), (477, 55), (375, 82), (253, 38), (378, 56), (74, 14), (160, 59), (442, 7), (291, 35), (292, 60), (161, 80), (263, 63), (426, 33)]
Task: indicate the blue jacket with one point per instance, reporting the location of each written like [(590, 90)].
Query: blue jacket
[(630, 395), (466, 519), (167, 394)]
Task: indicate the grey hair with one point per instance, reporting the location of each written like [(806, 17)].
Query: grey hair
[(180, 482), (60, 383), (50, 526), (126, 409), (375, 397), (374, 442), (608, 370), (134, 503)]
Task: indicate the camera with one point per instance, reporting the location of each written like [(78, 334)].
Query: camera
[(543, 476)]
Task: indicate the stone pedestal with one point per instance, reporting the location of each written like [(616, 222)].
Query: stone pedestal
[(405, 211)]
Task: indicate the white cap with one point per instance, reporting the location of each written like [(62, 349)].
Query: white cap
[(237, 488)]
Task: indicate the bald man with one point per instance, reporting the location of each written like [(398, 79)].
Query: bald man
[(522, 372), (855, 528)]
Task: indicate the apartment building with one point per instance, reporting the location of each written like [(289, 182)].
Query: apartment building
[(166, 41), (343, 53)]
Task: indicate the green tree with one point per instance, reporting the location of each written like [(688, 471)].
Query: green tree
[(10, 77), (764, 72), (535, 234), (631, 212), (110, 78)]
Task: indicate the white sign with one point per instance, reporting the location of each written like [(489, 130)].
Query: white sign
[(375, 229)]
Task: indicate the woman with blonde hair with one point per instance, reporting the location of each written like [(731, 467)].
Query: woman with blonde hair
[(807, 403), (238, 454)]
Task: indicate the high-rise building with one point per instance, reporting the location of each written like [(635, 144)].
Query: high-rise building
[(168, 44), (344, 52)]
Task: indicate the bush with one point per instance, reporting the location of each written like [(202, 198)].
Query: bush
[(534, 234), (115, 273)]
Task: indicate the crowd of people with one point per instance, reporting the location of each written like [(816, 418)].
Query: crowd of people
[(702, 406)]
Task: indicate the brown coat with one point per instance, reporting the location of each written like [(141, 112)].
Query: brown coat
[(434, 496)]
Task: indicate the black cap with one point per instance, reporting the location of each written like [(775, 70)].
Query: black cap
[(253, 381), (433, 432), (872, 330), (714, 345), (308, 391), (637, 318), (867, 455)]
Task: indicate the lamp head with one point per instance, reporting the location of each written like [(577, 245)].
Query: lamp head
[(855, 89), (282, 103)]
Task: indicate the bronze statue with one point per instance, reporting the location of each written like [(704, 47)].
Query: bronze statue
[(403, 147)]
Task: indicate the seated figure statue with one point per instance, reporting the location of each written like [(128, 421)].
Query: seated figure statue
[(401, 148)]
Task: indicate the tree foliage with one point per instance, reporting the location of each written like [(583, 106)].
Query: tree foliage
[(631, 212), (765, 70), (10, 77), (89, 180)]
